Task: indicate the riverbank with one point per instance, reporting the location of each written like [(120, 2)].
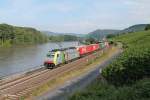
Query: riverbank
[(24, 58)]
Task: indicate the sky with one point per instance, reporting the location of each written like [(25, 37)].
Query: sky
[(74, 16)]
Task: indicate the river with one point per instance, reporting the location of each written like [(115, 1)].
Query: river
[(23, 58)]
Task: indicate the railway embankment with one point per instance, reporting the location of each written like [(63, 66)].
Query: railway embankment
[(33, 85), (78, 83)]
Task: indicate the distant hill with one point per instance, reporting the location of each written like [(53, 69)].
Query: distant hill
[(56, 34), (134, 28), (99, 34), (50, 33)]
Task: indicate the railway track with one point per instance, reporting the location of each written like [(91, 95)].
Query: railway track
[(16, 88), (16, 77), (18, 80)]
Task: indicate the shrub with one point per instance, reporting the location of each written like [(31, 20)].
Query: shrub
[(103, 91), (134, 63)]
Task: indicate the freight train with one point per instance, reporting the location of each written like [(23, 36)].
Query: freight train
[(61, 56)]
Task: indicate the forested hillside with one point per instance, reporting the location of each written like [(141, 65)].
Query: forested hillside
[(12, 35), (58, 34), (128, 77), (134, 28), (100, 34), (20, 35), (61, 38)]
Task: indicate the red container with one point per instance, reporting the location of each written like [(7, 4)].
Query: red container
[(88, 48), (82, 50)]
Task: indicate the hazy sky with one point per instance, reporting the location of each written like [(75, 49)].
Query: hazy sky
[(78, 16)]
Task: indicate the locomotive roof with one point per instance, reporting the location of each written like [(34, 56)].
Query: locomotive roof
[(63, 49), (85, 45)]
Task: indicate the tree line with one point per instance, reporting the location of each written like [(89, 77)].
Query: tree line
[(61, 38), (12, 35)]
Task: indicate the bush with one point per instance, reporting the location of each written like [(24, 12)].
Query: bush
[(103, 91), (134, 63), (142, 88), (147, 27), (96, 91)]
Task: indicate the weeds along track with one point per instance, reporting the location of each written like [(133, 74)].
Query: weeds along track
[(21, 86)]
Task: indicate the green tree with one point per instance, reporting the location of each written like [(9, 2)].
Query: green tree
[(90, 41), (147, 27), (20, 35)]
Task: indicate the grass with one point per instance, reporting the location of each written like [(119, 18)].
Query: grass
[(69, 75), (101, 90)]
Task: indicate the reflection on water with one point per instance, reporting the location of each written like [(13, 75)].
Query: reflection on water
[(20, 58)]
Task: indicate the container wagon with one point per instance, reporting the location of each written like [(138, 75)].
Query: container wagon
[(83, 50)]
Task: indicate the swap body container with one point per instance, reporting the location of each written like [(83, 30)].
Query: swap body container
[(88, 48)]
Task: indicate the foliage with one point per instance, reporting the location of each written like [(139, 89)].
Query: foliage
[(134, 28), (111, 35), (147, 27), (61, 38), (134, 63), (12, 35), (99, 90), (20, 35), (100, 34), (90, 41), (127, 78)]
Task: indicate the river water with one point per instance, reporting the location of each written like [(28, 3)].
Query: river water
[(23, 58)]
